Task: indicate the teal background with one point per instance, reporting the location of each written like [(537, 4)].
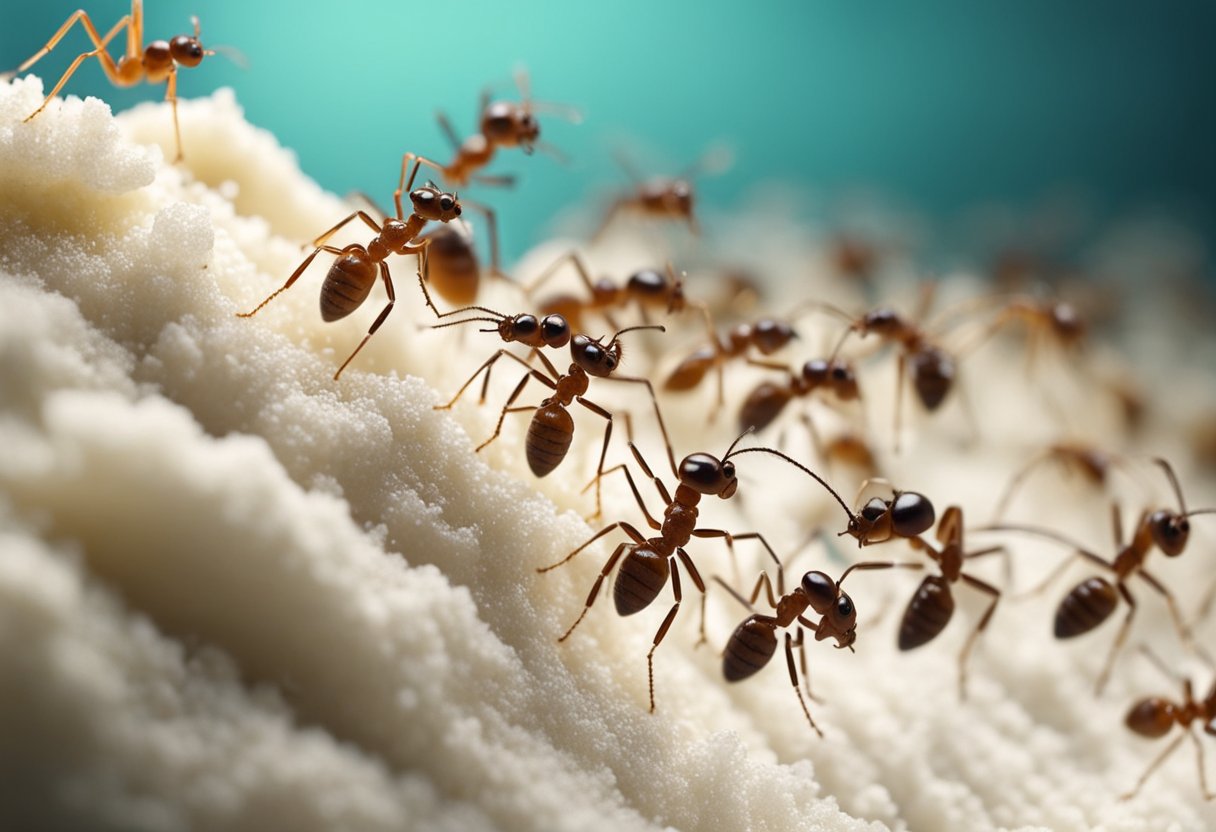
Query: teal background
[(939, 105)]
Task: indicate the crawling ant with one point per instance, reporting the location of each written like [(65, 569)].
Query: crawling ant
[(503, 124), (155, 63), (932, 606), (648, 288), (1093, 601), (1154, 717), (933, 368), (1088, 461), (351, 277), (551, 430), (649, 562), (766, 402), (754, 642), (660, 197), (766, 335)]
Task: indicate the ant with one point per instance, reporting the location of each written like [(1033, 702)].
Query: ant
[(1093, 601), (1054, 320), (933, 368), (351, 277), (1077, 456), (754, 642), (1154, 717), (649, 562), (502, 124), (661, 197), (155, 63), (648, 288), (766, 335), (765, 403), (551, 430), (932, 606)]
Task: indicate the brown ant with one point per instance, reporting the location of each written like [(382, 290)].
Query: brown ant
[(933, 368), (1154, 717), (932, 606), (551, 430), (155, 63), (503, 124), (1088, 461), (351, 277), (765, 403), (650, 562), (648, 288), (1093, 601), (766, 335), (661, 197), (754, 642)]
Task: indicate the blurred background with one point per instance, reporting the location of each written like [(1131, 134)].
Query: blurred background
[(1021, 123)]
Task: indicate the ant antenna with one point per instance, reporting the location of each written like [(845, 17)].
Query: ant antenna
[(804, 469), (621, 332), (1169, 472), (751, 429)]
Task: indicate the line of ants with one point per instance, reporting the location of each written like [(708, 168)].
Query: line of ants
[(447, 263)]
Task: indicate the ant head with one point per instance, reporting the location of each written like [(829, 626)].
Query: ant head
[(1170, 531), (648, 285), (594, 357), (874, 519), (510, 125), (679, 197), (1152, 717), (771, 335), (843, 380), (885, 322), (839, 615), (706, 474), (435, 205), (739, 337), (604, 290), (932, 376), (186, 50), (523, 328), (1068, 324), (816, 371)]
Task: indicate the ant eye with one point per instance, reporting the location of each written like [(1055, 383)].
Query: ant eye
[(445, 203), (874, 509), (844, 607), (728, 469)]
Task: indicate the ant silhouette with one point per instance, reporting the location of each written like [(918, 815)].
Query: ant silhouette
[(662, 197), (650, 562), (503, 124), (155, 63), (352, 275), (1093, 601)]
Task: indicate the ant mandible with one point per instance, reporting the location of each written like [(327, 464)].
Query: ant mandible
[(351, 277), (650, 562), (1093, 601), (1154, 717), (754, 642), (155, 63), (502, 124)]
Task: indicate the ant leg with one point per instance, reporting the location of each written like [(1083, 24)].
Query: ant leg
[(599, 469), (1006, 560), (658, 483), (789, 662), (1203, 780), (294, 277), (609, 216), (1120, 638), (657, 414), (650, 521), (107, 63), (171, 97), (872, 564), (730, 545), (492, 225), (510, 401), (664, 627), (362, 215), (595, 588), (392, 299), (498, 180), (1161, 758), (446, 127), (755, 591), (899, 398), (979, 628), (580, 266), (623, 526), (800, 643), (696, 579), (1184, 632), (488, 363), (1016, 482)]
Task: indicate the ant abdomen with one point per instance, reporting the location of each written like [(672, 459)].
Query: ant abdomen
[(750, 648), (691, 371), (927, 614), (549, 436), (453, 270), (642, 576), (347, 285), (933, 375), (763, 405), (1089, 604)]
